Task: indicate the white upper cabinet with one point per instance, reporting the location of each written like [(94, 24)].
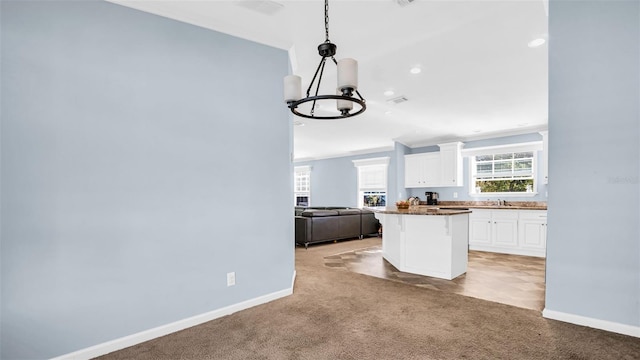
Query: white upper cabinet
[(544, 168), (434, 169), (413, 171), (451, 164), (421, 170)]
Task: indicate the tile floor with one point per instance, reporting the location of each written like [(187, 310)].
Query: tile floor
[(508, 279)]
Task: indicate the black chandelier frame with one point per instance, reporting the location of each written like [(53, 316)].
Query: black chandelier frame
[(327, 50)]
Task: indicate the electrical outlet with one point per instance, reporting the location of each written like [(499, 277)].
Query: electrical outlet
[(455, 195), (231, 279)]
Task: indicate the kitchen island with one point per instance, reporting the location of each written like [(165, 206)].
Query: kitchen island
[(425, 241)]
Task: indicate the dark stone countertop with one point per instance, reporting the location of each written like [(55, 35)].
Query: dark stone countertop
[(420, 210), (506, 205)]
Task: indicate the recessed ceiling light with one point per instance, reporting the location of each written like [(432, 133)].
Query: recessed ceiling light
[(415, 70), (388, 112), (389, 93), (298, 123), (536, 42), (477, 131)]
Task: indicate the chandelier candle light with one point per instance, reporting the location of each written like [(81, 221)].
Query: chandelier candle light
[(347, 83)]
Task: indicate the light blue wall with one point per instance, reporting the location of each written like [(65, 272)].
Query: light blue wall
[(593, 251), (447, 193), (126, 194), (334, 182), (400, 151)]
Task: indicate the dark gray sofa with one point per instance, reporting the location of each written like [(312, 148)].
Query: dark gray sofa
[(315, 225)]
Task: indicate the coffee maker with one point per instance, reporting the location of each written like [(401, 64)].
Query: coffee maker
[(432, 197)]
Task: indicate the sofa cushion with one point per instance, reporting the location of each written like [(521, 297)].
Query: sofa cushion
[(369, 224), (318, 213), (349, 211)]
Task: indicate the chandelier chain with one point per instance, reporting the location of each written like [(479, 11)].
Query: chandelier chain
[(326, 20)]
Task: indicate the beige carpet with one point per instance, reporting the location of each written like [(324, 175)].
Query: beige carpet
[(337, 314)]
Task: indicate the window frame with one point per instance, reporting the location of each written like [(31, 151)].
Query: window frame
[(306, 170), (534, 147), (366, 164)]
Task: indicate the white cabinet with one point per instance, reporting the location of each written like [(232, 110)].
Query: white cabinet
[(451, 164), (421, 170), (532, 235), (519, 232), (493, 228), (505, 228), (544, 165), (413, 170), (434, 169), (480, 224)]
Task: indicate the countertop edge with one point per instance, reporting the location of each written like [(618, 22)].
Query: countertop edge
[(425, 211), (500, 207)]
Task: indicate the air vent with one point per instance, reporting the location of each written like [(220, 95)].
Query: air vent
[(266, 7), (398, 100), (404, 3)]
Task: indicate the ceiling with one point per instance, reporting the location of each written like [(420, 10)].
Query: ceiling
[(479, 78)]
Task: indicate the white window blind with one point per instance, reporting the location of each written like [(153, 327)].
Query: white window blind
[(509, 166), (372, 177), (302, 180)]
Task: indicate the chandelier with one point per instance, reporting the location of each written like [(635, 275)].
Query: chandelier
[(347, 83)]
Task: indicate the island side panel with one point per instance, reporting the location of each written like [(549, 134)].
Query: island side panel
[(460, 244), (392, 238), (428, 246)]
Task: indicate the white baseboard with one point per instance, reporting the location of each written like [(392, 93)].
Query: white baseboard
[(127, 341), (293, 280), (623, 329)]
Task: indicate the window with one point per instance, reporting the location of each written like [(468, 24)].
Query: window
[(372, 181), (374, 198), (503, 173), (302, 185)]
